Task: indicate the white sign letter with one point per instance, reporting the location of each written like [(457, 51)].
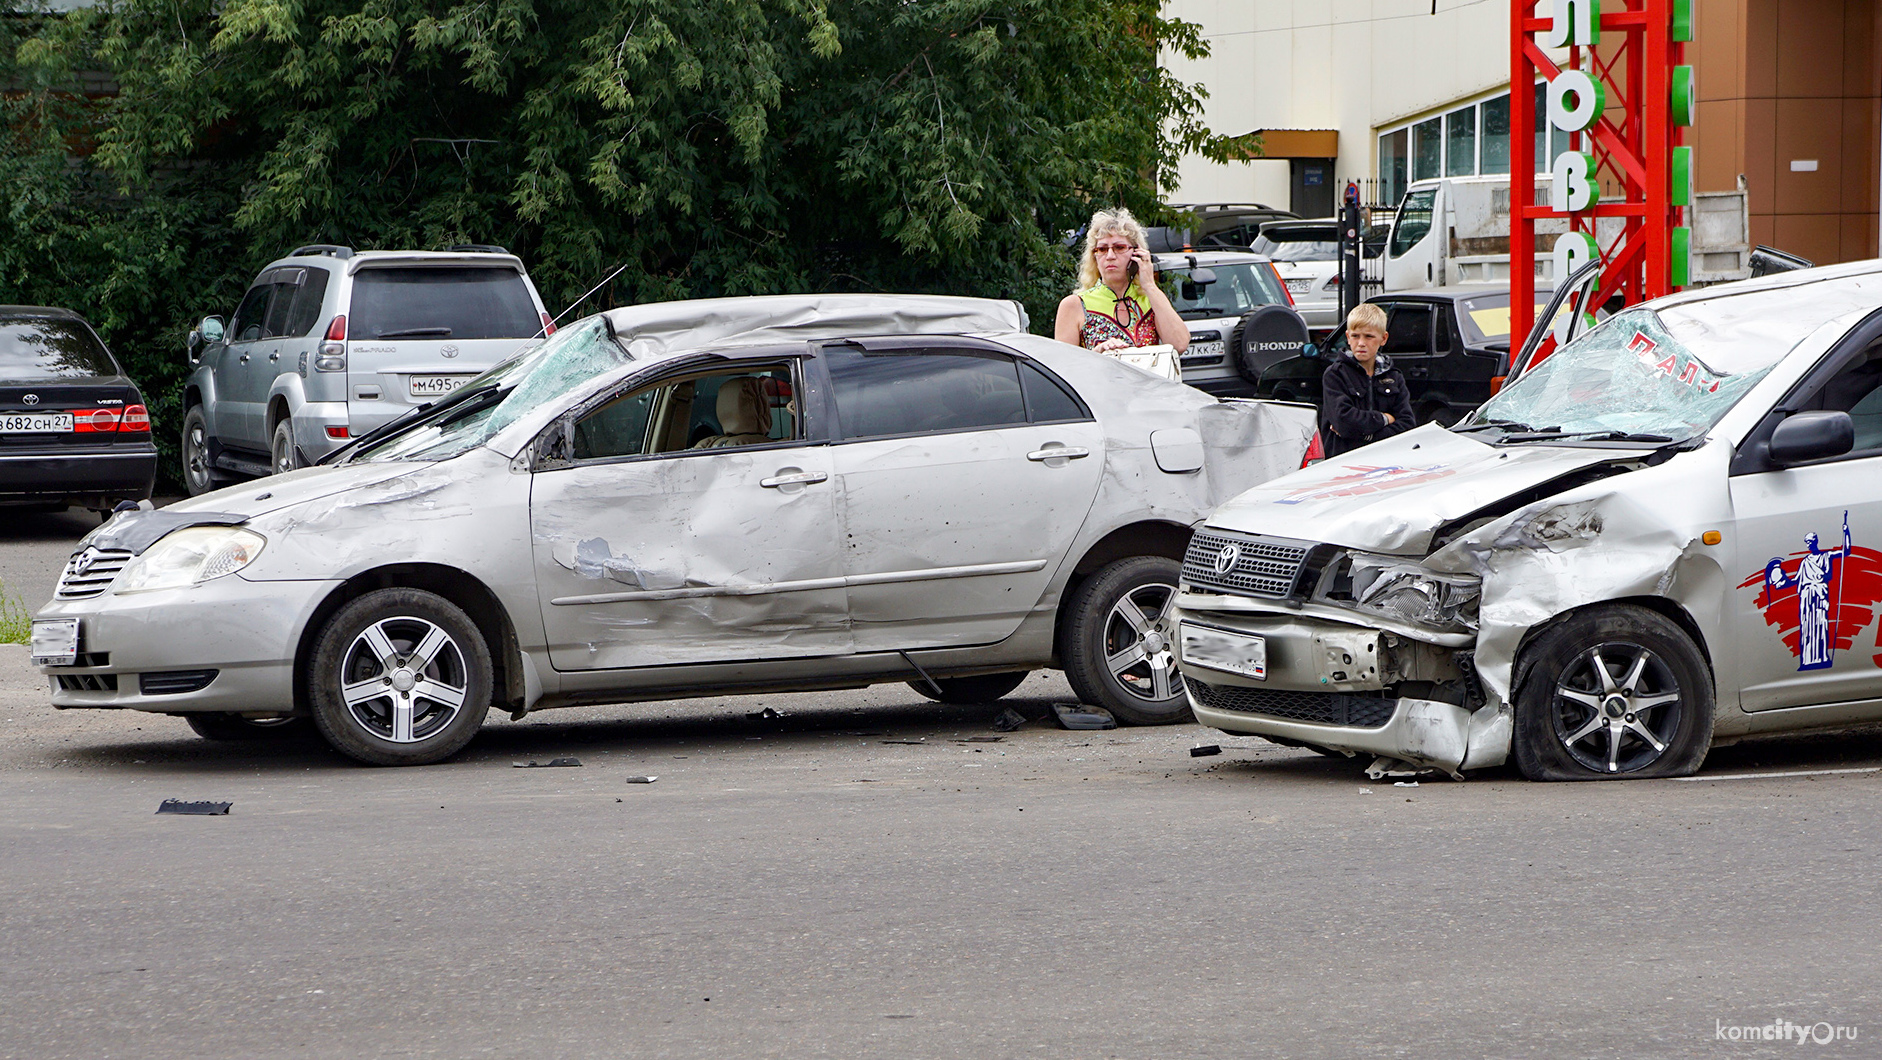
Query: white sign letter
[(1571, 187)]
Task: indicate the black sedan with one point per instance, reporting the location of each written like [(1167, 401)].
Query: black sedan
[(73, 428), (1452, 345)]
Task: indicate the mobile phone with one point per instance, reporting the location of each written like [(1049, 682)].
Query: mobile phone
[(1130, 271)]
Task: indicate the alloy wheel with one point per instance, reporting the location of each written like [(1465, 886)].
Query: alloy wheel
[(196, 456), (403, 679), (1617, 707), (1137, 643)]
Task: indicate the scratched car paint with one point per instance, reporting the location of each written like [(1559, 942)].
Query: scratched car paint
[(1662, 539), (680, 499)]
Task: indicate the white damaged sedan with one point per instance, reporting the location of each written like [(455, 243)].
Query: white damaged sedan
[(1662, 538), (684, 499)]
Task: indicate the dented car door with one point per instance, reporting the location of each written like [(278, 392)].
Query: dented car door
[(689, 521), (965, 474)]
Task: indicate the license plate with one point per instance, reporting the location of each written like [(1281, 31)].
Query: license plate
[(1237, 653), (55, 642), (1299, 286), (1204, 349), (435, 385), (35, 423)]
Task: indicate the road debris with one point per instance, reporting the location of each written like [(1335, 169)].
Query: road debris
[(1205, 750), (1079, 716), (911, 743), (1008, 720), (981, 739), (642, 780), (194, 809), (1405, 784), (766, 714), (532, 764)]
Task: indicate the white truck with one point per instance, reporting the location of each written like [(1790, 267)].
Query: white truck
[(1456, 230)]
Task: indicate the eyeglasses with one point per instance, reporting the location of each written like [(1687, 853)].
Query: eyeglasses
[(1112, 248)]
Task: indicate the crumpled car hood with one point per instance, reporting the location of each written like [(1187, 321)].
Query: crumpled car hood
[(260, 496), (1391, 496)]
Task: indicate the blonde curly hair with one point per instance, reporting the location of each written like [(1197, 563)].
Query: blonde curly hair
[(1118, 222)]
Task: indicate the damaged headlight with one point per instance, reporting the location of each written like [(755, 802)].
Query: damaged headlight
[(190, 556), (1405, 591)]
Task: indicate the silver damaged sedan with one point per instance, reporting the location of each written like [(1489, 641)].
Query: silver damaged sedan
[(684, 499)]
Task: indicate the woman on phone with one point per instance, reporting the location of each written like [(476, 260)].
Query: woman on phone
[(1118, 303)]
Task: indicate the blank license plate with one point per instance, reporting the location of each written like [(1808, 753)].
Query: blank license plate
[(1237, 653), (35, 423), (55, 642), (435, 385)]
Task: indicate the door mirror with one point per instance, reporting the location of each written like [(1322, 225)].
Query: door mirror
[(210, 329), (1812, 436)]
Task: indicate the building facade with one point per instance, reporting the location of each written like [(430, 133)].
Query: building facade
[(1391, 91)]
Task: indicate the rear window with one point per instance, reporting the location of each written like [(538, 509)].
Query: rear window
[(1298, 244), (442, 303), (51, 349)]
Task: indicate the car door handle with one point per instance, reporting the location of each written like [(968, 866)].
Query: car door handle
[(798, 478), (274, 356), (1058, 452), (243, 359)]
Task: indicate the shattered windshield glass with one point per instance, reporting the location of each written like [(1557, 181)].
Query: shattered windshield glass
[(503, 395), (1628, 378)]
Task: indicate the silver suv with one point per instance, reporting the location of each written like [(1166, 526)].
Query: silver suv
[(329, 343), (1221, 294)]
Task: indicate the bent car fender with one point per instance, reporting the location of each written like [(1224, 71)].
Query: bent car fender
[(1629, 536)]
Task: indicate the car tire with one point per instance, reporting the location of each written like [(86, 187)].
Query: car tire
[(284, 455), (233, 728), (375, 702), (1612, 693), (199, 475), (984, 688), (1115, 643)]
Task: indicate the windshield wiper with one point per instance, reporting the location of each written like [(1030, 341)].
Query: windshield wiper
[(480, 399), (1504, 425), (1198, 312), (412, 333), (1591, 436)]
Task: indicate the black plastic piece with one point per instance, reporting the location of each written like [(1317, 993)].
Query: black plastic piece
[(174, 682), (1205, 750), (314, 250), (1766, 261), (571, 762), (1812, 436), (477, 248), (195, 809), (137, 531)]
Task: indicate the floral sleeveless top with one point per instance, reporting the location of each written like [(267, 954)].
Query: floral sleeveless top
[(1109, 317)]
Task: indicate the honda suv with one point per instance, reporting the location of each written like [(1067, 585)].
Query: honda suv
[(329, 343)]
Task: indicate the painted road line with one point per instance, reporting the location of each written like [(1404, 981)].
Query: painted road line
[(1800, 773)]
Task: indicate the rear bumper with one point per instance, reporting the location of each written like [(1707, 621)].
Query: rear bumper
[(122, 472)]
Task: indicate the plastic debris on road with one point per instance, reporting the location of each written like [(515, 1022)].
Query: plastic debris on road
[(1205, 750), (1080, 716), (194, 809), (1008, 720), (546, 765), (642, 780), (766, 714)]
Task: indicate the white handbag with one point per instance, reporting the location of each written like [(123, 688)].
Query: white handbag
[(1160, 360)]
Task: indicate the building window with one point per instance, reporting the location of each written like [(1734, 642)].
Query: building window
[(1394, 163), (1427, 148), (1465, 141), (1460, 142), (1496, 135)]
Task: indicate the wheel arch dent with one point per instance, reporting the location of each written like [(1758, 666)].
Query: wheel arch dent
[(507, 681)]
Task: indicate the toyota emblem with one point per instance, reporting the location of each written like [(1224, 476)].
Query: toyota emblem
[(1226, 559), (30, 399), (449, 351), (81, 563)]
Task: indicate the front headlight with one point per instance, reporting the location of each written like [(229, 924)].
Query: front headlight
[(190, 556), (1407, 592)]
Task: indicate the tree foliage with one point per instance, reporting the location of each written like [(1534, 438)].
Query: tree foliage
[(158, 152)]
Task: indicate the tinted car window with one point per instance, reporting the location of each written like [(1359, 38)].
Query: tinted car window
[(1046, 399), (51, 349), (247, 325), (442, 303), (307, 301), (1408, 330), (1237, 290), (915, 391), (286, 283)]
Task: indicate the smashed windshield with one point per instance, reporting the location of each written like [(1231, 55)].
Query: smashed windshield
[(1628, 376), (503, 395)]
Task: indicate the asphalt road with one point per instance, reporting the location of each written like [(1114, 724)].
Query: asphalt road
[(863, 878)]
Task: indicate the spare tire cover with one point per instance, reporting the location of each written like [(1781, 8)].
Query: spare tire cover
[(1268, 335)]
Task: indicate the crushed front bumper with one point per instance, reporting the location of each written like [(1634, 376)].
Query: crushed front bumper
[(244, 631)]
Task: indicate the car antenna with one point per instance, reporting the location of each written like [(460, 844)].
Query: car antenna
[(557, 319)]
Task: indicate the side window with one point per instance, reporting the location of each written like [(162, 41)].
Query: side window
[(247, 325), (890, 392), (1046, 399), (1857, 390), (1440, 329), (1408, 330), (714, 410), (308, 298), (1414, 221)]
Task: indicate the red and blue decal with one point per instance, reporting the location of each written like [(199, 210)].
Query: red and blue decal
[(1820, 599)]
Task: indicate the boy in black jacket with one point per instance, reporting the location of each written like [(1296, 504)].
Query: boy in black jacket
[(1362, 397)]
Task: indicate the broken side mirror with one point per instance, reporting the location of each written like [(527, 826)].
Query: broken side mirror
[(1812, 436)]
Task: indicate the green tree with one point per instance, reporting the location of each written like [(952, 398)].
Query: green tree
[(158, 152)]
